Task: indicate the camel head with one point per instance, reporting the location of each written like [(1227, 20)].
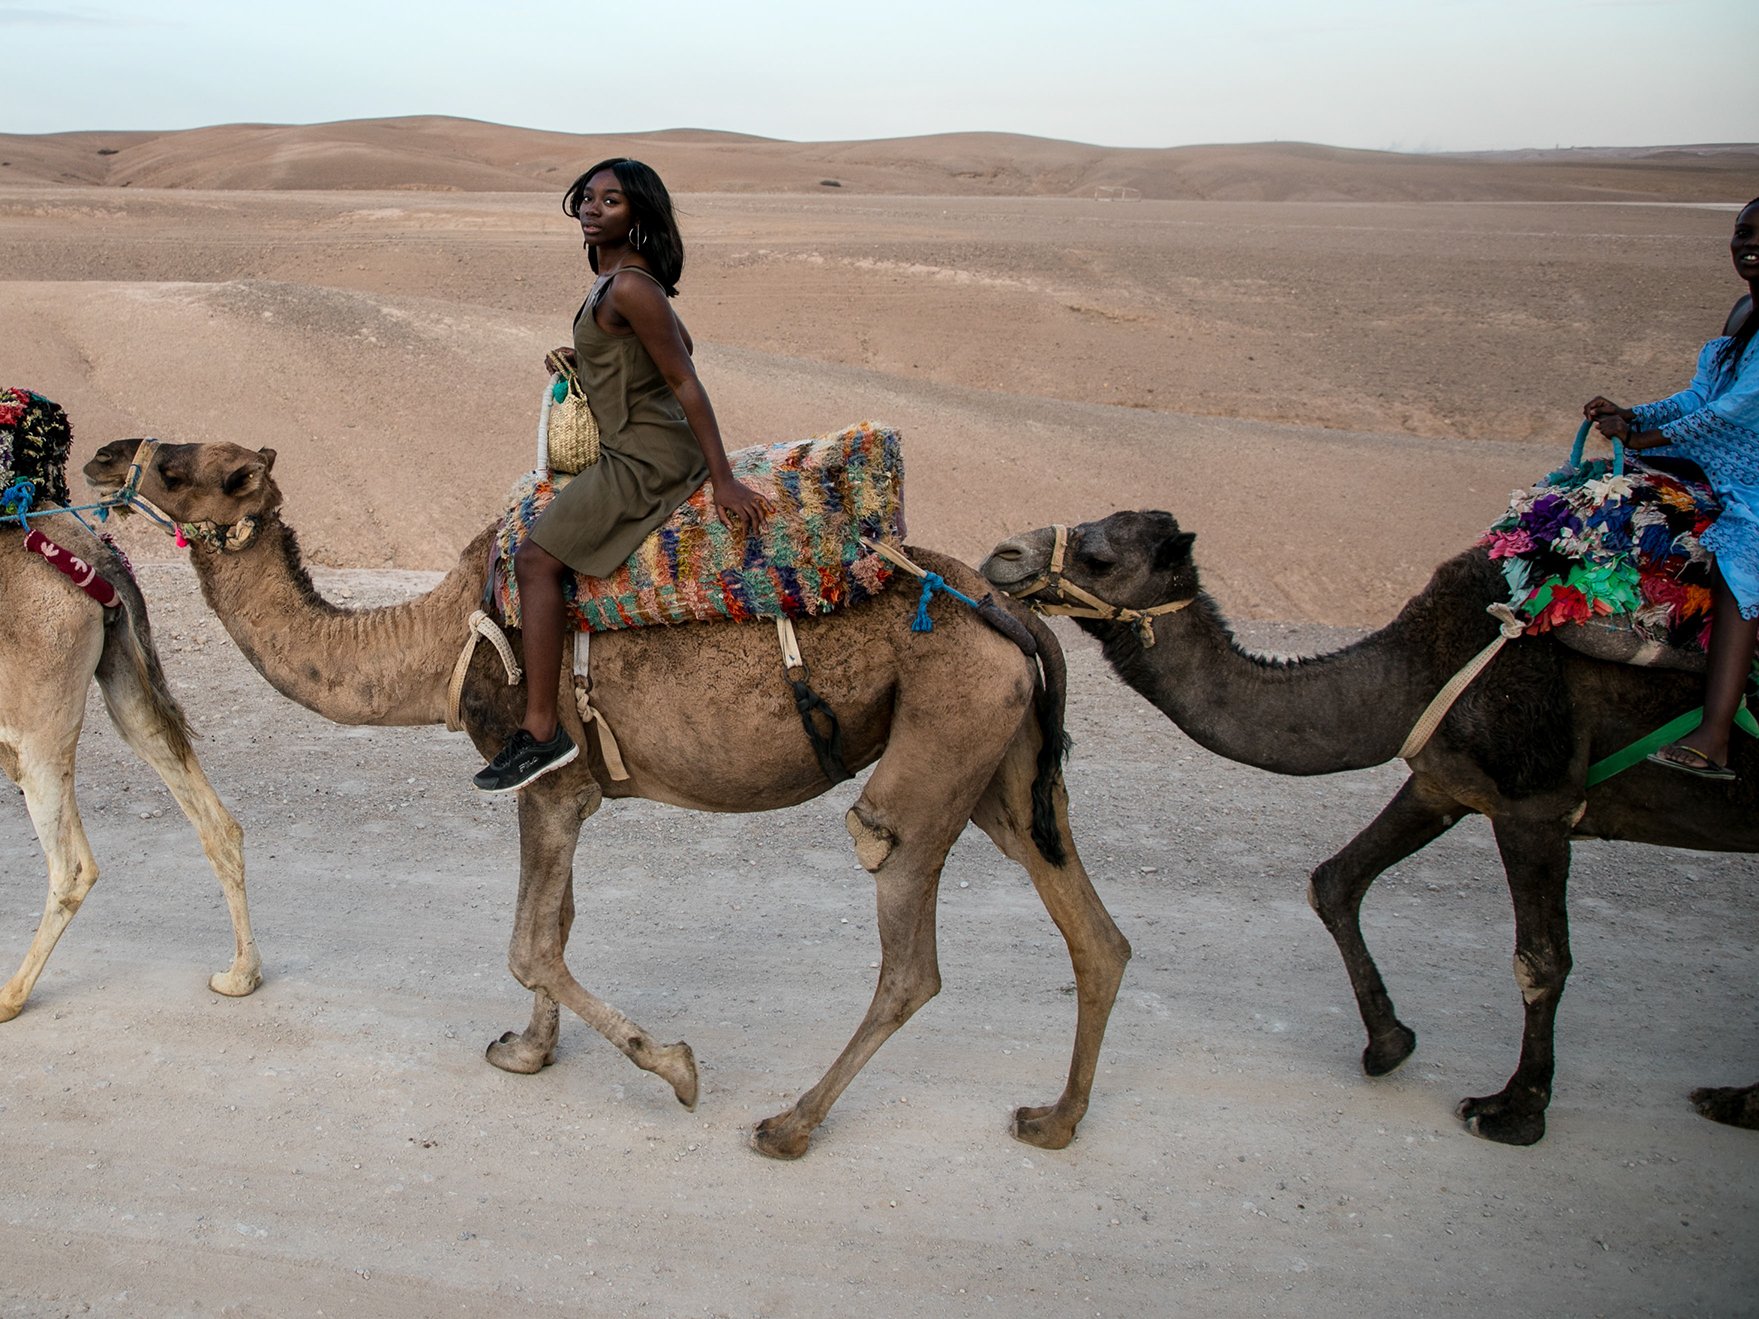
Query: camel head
[(215, 493), (1131, 561)]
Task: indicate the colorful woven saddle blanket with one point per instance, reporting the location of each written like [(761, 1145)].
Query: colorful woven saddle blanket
[(807, 559), (1612, 561), (34, 440)]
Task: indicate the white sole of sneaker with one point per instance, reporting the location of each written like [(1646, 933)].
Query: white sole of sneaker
[(533, 777)]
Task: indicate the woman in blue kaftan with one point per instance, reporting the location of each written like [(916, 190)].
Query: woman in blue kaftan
[(1714, 423)]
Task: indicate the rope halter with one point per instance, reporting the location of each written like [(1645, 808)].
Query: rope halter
[(1090, 606), (228, 538)]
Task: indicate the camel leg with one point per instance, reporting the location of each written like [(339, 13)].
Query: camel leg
[(534, 1048), (550, 814), (1410, 821), (1536, 854), (142, 722), (903, 823), (1098, 950), (48, 795), (1738, 1106)]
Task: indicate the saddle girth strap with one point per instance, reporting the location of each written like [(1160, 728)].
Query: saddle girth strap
[(826, 741)]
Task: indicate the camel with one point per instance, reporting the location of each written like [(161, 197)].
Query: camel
[(58, 640), (956, 721), (1515, 748)]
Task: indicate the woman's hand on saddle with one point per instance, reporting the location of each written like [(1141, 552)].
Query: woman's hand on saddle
[(739, 505), (1597, 407)]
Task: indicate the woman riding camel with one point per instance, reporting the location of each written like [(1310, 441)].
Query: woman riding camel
[(1714, 422), (657, 435)]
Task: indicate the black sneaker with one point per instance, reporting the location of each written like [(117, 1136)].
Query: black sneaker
[(525, 759)]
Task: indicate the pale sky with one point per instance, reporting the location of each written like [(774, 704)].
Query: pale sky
[(1411, 75)]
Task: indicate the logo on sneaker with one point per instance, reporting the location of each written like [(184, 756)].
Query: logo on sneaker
[(525, 759)]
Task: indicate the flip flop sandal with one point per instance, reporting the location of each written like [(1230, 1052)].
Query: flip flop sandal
[(1700, 766)]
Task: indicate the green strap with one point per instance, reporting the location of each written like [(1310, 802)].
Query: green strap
[(1619, 761)]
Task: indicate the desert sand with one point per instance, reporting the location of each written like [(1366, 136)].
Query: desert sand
[(1334, 394)]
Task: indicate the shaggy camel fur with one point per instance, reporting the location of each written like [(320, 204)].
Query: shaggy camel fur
[(1515, 748), (57, 641), (955, 718)]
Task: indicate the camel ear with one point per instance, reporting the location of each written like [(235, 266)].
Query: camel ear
[(246, 477), (268, 457), (1173, 551)]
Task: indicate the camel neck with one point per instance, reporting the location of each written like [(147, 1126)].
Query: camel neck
[(386, 666), (1346, 710)]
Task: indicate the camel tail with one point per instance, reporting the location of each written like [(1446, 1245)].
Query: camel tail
[(128, 639), (1053, 743)]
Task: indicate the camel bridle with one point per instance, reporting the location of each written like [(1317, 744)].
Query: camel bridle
[(1089, 605), (228, 537)]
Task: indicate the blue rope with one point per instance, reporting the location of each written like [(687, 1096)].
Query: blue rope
[(932, 582), (22, 513)]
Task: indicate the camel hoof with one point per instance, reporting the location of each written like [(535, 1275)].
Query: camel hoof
[(512, 1053), (1735, 1106), (235, 984), (10, 1010), (781, 1137), (1386, 1053), (1494, 1117), (1044, 1127), (676, 1064)]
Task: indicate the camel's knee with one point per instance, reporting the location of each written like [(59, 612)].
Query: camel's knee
[(537, 972), (902, 995), (1541, 975), (873, 841), (70, 889), (1329, 895)]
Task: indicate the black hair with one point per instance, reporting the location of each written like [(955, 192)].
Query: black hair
[(1728, 358), (660, 245)]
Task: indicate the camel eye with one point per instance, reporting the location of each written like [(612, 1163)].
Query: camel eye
[(1097, 564), (172, 480)]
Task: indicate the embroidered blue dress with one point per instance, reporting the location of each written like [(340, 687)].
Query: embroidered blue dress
[(1714, 422)]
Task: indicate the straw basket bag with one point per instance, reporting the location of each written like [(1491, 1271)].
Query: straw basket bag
[(567, 434)]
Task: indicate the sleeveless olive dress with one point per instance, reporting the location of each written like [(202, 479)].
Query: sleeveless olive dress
[(649, 461)]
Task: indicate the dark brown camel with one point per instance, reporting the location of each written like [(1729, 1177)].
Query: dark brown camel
[(1515, 748), (961, 725)]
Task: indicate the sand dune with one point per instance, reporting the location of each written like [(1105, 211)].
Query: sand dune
[(1336, 396), (437, 153)]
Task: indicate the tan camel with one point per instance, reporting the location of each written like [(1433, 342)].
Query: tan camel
[(959, 723), (1516, 748), (57, 641)]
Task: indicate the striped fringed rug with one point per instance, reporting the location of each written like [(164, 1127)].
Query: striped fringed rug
[(808, 559)]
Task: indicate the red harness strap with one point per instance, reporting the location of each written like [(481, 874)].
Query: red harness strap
[(81, 573)]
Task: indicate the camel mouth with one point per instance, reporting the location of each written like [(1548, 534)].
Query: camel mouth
[(1013, 563), (1005, 573), (102, 478), (107, 470)]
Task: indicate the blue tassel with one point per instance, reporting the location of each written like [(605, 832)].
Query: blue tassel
[(931, 582), (19, 496)]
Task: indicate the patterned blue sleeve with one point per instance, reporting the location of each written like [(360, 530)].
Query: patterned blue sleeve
[(1648, 416), (1714, 422)]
